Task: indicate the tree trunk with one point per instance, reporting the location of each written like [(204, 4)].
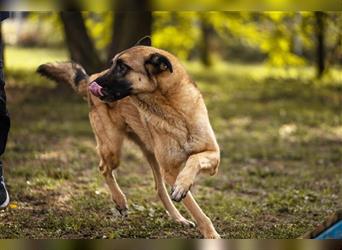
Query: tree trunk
[(3, 46), (205, 42), (297, 41), (129, 26), (320, 35), (80, 46)]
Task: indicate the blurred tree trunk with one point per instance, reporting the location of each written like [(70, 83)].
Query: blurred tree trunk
[(334, 55), (205, 42), (320, 36), (3, 46), (129, 26), (81, 48), (297, 41)]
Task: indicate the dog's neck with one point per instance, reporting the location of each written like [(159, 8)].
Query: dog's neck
[(169, 109)]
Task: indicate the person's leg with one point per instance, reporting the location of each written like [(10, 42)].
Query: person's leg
[(4, 129)]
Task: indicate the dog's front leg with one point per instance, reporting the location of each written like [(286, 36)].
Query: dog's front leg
[(207, 161)]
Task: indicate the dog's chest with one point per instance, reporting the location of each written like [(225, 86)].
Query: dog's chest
[(168, 141), (165, 134), (156, 134)]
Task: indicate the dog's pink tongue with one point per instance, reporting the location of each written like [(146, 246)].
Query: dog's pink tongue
[(95, 89)]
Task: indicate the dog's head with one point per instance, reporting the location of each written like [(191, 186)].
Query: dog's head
[(140, 69)]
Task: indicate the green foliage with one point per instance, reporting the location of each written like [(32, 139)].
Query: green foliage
[(99, 26), (270, 32), (176, 32), (279, 39), (284, 37)]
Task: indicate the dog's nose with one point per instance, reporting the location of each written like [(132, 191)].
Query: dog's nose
[(95, 89)]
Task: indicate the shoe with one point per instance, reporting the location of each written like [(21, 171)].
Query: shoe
[(4, 197)]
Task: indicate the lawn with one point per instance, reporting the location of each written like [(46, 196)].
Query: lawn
[(280, 135)]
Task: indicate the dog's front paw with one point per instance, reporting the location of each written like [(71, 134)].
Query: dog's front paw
[(122, 210), (212, 235), (208, 231), (186, 222), (179, 190), (120, 204)]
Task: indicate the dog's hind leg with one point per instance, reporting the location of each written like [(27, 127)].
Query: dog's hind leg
[(109, 138), (117, 195), (204, 223)]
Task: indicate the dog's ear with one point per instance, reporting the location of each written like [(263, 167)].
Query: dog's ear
[(158, 63), (145, 41)]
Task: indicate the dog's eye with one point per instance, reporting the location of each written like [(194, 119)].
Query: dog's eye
[(121, 68)]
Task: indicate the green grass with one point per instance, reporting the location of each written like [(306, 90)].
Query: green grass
[(281, 143)]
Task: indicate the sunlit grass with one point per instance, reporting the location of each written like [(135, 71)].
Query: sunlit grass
[(29, 59), (260, 72)]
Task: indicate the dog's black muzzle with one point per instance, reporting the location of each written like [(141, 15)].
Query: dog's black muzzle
[(110, 89)]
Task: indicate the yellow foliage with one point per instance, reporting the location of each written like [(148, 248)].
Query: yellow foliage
[(99, 26), (176, 32)]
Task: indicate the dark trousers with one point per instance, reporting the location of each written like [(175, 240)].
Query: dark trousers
[(4, 120), (4, 117)]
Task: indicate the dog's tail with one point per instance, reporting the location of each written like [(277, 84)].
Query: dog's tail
[(67, 72)]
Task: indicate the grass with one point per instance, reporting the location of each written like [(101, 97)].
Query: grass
[(280, 174), (18, 58)]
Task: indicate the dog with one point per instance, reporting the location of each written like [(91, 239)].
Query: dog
[(147, 96)]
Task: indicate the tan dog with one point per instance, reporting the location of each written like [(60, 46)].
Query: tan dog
[(147, 96)]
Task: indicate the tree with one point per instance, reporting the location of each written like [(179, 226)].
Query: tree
[(81, 47), (205, 43), (129, 26), (320, 48), (1, 44)]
